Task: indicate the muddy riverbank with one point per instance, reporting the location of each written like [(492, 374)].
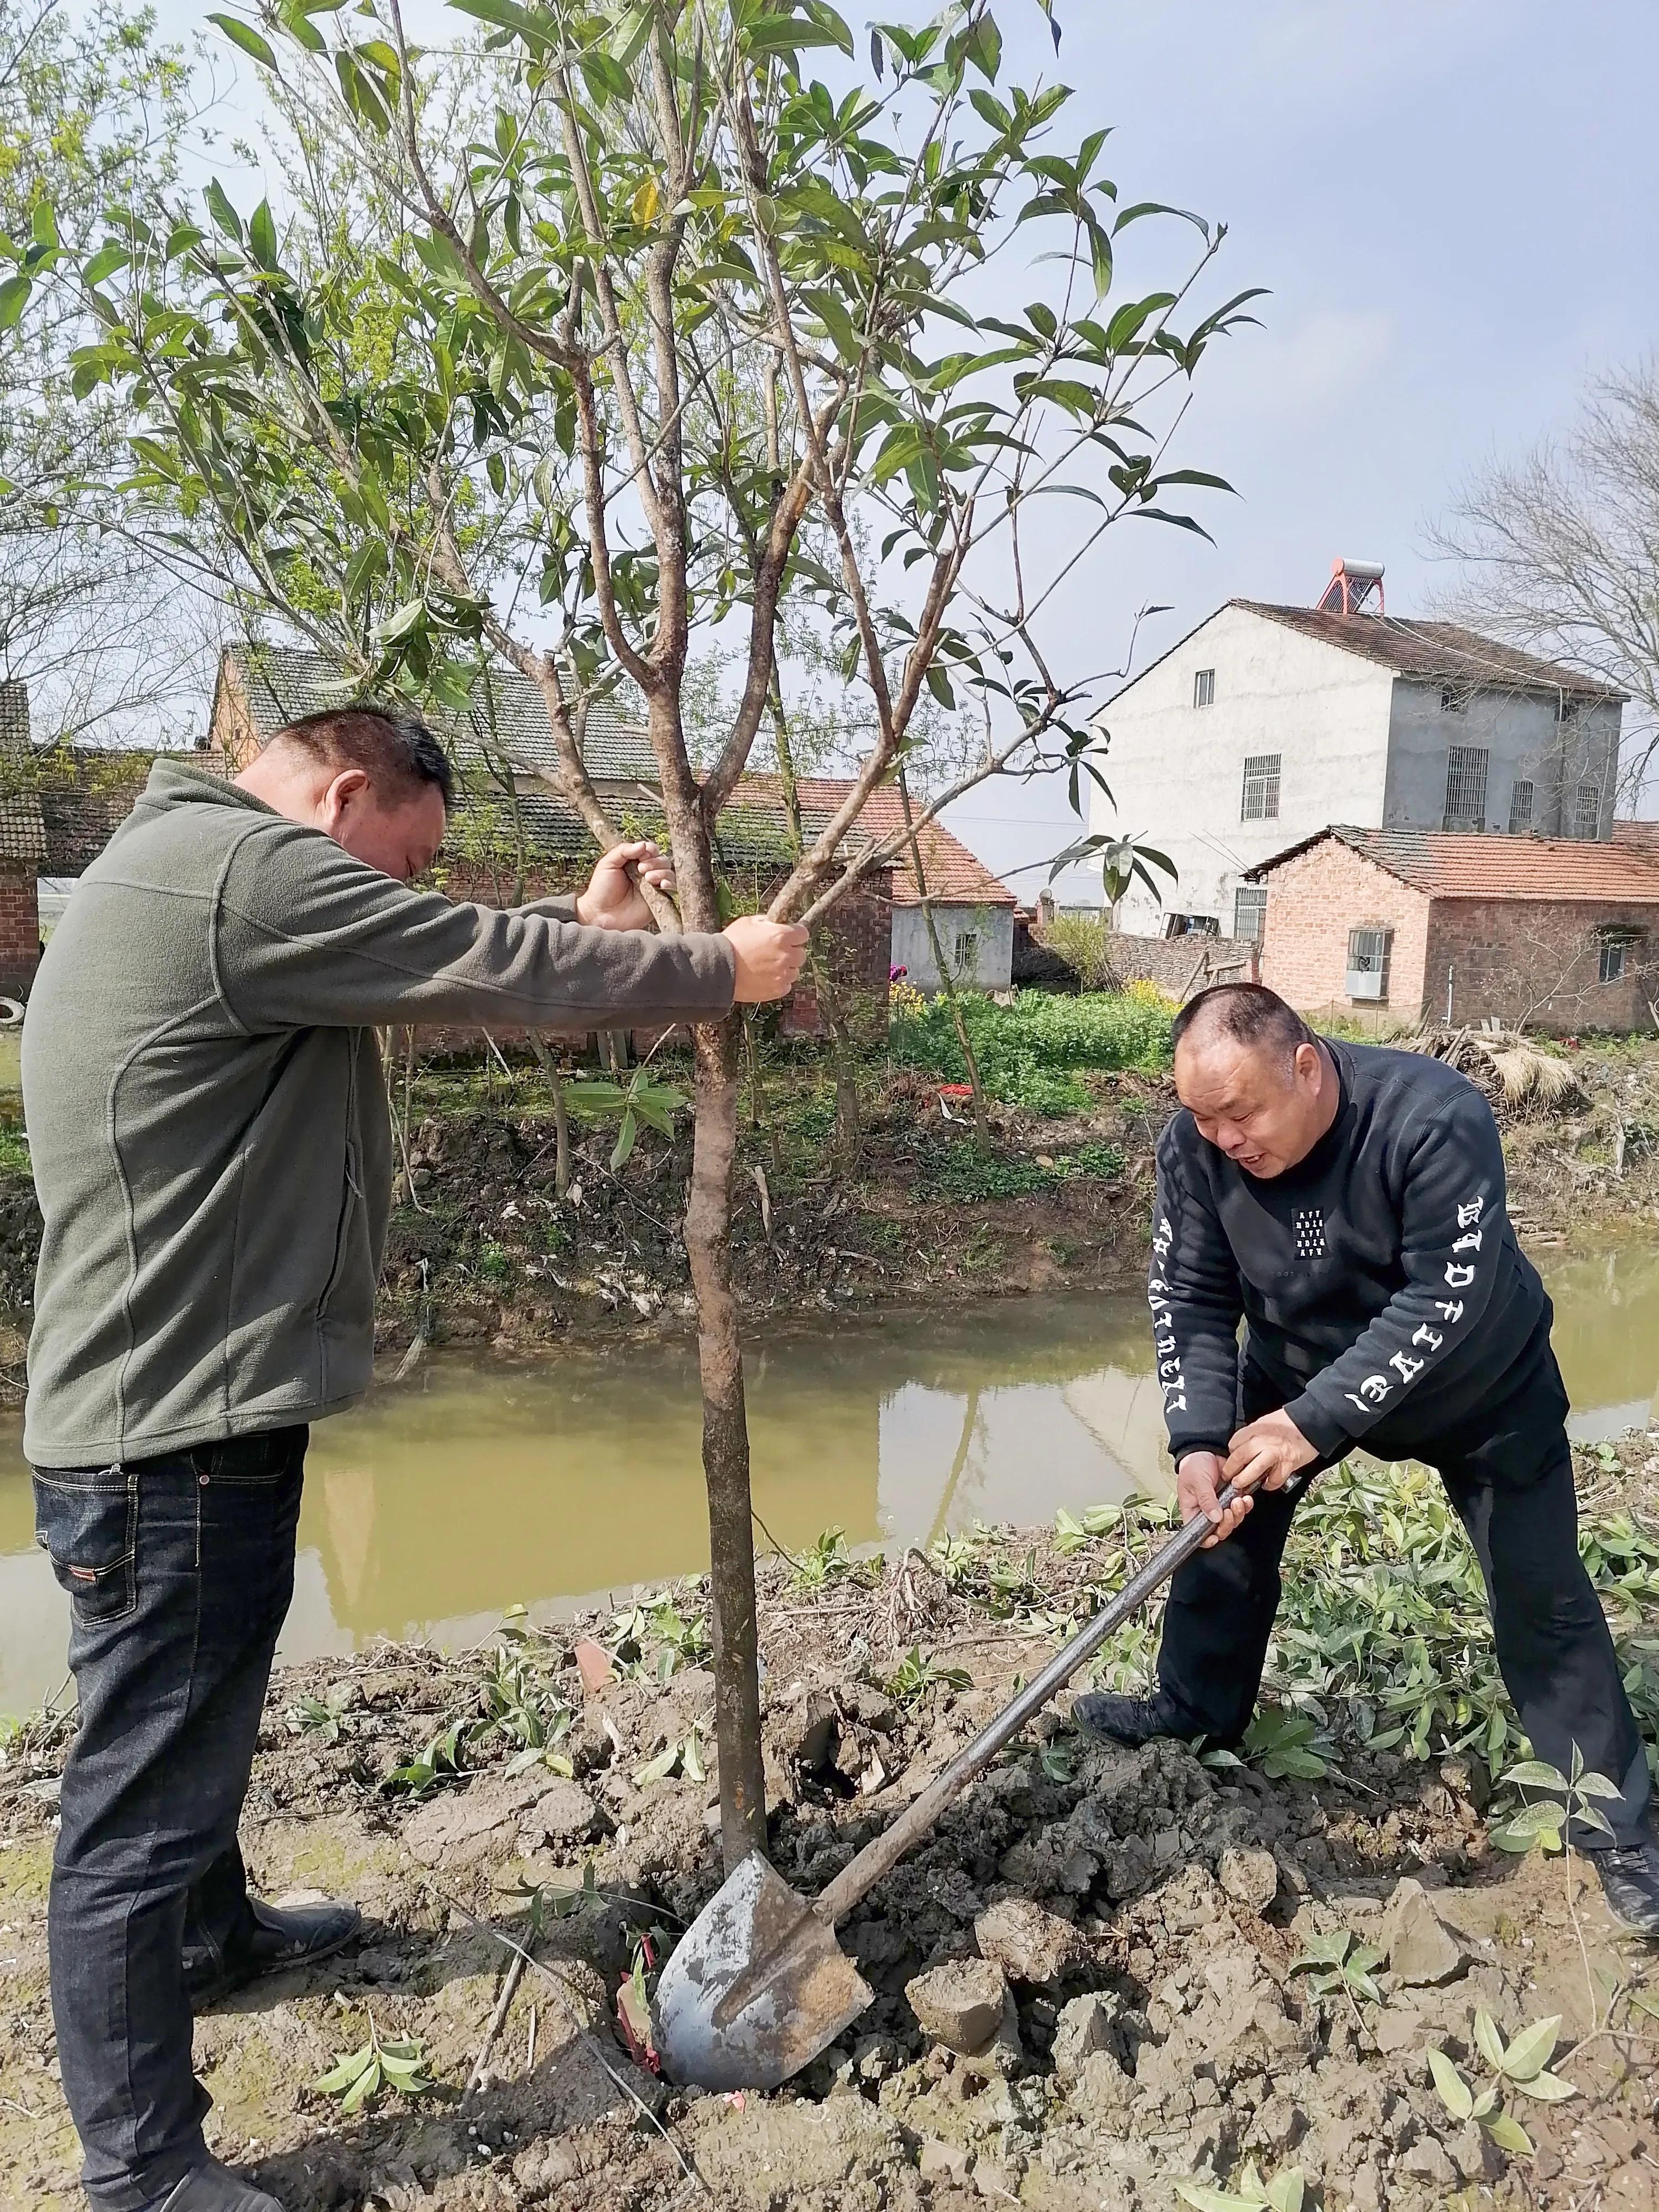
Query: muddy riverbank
[(1110, 1974), (485, 1251)]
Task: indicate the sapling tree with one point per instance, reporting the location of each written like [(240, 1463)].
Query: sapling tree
[(637, 321)]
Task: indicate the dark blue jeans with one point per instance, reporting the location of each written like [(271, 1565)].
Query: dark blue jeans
[(180, 1572)]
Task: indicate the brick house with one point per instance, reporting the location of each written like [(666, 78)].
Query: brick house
[(1558, 933)]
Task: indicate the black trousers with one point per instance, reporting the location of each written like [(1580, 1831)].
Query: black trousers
[(180, 1570), (1510, 1479)]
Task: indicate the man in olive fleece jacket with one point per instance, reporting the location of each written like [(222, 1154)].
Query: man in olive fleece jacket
[(208, 1125)]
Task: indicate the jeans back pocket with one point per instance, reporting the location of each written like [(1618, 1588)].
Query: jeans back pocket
[(86, 1522)]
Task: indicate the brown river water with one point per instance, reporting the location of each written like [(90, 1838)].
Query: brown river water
[(475, 1485)]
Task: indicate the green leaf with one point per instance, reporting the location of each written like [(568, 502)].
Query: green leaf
[(506, 17), (1509, 2134), (1285, 2191), (245, 36), (1530, 2051), (367, 2083), (984, 48), (219, 207), (626, 1137), (657, 1769), (1549, 2089), (1533, 1774), (1596, 1785), (1456, 2093), (14, 298), (105, 263), (1488, 2041), (345, 2071), (403, 622)]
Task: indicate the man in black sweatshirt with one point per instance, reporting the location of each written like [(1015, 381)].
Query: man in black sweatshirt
[(1347, 1203)]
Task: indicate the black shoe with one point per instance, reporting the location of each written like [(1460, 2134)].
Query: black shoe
[(214, 2188), (1130, 1720), (284, 1936), (1630, 1881)]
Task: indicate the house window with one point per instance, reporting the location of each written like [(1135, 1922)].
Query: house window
[(1203, 687), (1453, 703), (1260, 800), (1617, 945), (1587, 810), (1521, 806), (967, 951), (1465, 787), (1192, 925), (1368, 963), (1249, 912)]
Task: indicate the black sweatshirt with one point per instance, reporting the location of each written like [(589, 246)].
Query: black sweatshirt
[(1380, 1279)]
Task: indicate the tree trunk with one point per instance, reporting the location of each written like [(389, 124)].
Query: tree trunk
[(725, 1446)]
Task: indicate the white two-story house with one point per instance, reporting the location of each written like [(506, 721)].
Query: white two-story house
[(1266, 723)]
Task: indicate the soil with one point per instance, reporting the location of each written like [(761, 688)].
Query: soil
[(1130, 1923)]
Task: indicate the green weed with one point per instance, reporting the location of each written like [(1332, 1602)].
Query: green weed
[(918, 1672), (357, 2078), (1031, 1054)]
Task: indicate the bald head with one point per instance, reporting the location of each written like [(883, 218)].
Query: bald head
[(1255, 1079)]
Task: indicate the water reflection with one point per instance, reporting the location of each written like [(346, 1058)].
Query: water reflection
[(472, 1487)]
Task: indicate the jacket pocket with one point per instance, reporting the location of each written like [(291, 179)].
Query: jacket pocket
[(86, 1522), (351, 1198)]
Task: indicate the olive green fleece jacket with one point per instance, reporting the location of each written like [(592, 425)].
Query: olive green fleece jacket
[(207, 1116)]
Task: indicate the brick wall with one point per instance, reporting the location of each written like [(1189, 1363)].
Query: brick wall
[(1313, 902), (1539, 961), (1181, 966), (20, 931)]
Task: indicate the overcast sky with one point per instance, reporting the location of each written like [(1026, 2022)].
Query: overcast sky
[(1452, 203)]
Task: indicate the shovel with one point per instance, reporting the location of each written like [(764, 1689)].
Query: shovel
[(758, 1986)]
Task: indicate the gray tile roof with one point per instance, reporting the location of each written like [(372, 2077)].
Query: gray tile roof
[(284, 682), (1436, 652), (754, 835)]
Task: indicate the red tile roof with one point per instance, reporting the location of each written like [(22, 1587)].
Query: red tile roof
[(1437, 652), (955, 877), (1446, 865)]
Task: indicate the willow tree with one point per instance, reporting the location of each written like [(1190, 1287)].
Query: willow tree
[(621, 324)]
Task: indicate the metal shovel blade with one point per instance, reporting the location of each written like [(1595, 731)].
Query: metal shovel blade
[(757, 1986)]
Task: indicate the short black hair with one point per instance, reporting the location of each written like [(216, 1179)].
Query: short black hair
[(391, 745), (1250, 1014)]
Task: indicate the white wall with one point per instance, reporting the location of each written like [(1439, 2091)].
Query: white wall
[(1356, 744), (1176, 771), (994, 925)]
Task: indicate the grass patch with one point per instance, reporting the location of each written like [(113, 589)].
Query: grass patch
[(1034, 1052)]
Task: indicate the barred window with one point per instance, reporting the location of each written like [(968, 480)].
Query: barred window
[(1261, 800), (1520, 806), (1587, 810), (967, 951), (1368, 951), (1465, 787), (1617, 945), (1249, 912), (1203, 687)]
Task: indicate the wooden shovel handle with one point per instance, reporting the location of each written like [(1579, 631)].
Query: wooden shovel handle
[(884, 1852)]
